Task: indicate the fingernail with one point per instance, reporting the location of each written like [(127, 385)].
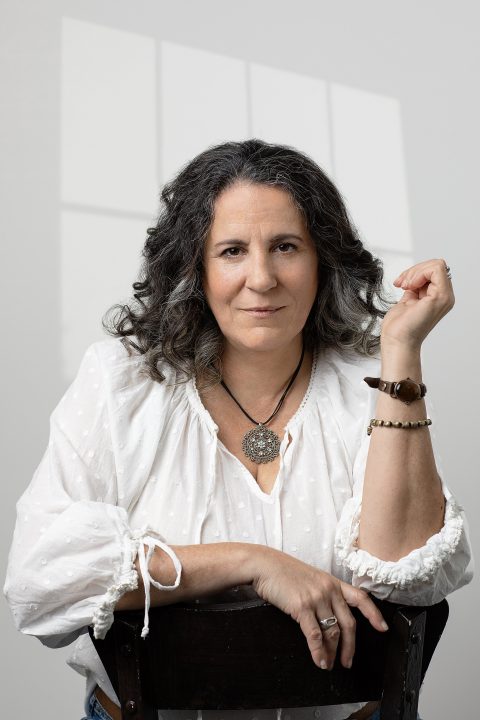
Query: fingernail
[(323, 664), (384, 625), (349, 663)]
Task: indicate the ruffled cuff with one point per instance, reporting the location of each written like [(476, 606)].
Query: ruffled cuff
[(420, 565), (133, 545), (127, 579)]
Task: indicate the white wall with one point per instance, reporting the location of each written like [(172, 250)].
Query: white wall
[(103, 102)]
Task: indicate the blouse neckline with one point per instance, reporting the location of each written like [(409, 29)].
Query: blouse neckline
[(199, 407)]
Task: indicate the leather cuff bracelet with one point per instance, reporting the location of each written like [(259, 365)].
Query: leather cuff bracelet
[(406, 390)]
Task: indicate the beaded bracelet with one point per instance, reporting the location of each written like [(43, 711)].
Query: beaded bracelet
[(374, 422)]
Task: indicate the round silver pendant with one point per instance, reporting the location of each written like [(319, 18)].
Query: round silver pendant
[(261, 444)]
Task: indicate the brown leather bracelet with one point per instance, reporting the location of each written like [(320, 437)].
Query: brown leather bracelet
[(406, 390)]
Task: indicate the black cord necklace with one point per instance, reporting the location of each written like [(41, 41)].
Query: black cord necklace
[(261, 444)]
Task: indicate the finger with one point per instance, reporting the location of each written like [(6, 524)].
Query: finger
[(407, 273), (427, 272), (331, 635), (418, 266), (414, 279), (313, 633), (398, 280), (357, 597), (348, 626)]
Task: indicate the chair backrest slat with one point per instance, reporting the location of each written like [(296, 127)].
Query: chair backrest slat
[(248, 654)]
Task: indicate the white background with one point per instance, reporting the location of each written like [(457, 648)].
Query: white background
[(102, 102)]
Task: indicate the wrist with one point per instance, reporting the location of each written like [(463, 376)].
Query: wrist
[(391, 346), (398, 363), (255, 558)]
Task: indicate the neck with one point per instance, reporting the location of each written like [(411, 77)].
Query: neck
[(259, 377)]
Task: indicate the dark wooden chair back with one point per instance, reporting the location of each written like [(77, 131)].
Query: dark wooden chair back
[(236, 651)]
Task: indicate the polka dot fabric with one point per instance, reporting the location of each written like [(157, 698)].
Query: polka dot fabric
[(131, 462)]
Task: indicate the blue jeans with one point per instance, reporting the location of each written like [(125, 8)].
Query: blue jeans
[(96, 711), (376, 715)]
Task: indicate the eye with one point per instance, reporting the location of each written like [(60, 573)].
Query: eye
[(235, 250), (227, 251), (286, 245)]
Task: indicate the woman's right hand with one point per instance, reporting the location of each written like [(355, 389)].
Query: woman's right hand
[(308, 595)]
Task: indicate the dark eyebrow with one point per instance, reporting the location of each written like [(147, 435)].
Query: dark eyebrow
[(275, 238)]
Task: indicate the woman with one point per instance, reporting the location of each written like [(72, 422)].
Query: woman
[(227, 442)]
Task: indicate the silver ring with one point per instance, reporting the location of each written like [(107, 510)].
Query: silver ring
[(449, 274), (328, 622)]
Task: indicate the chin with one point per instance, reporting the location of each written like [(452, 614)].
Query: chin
[(261, 342)]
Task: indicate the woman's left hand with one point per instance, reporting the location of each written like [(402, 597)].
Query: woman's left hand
[(427, 298)]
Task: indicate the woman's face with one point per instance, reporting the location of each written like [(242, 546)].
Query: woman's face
[(259, 254)]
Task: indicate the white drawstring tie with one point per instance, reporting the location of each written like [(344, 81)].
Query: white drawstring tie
[(144, 557)]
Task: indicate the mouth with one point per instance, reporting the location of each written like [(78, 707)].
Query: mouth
[(262, 311)]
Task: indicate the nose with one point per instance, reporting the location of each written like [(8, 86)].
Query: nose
[(260, 272)]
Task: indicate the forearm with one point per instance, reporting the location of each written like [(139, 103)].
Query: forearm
[(402, 503), (206, 569)]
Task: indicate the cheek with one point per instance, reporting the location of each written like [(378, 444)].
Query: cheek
[(220, 286), (303, 282), (312, 279)]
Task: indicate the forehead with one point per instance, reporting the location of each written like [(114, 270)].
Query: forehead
[(246, 206)]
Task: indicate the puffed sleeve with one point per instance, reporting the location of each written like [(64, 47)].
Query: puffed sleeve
[(427, 574), (73, 551)]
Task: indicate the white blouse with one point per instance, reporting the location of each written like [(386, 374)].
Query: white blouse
[(131, 461)]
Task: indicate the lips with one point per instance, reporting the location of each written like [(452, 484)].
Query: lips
[(262, 312)]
